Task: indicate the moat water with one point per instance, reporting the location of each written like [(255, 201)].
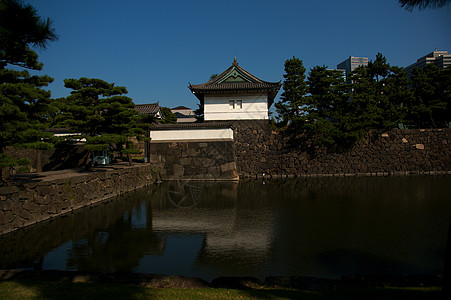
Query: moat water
[(323, 227)]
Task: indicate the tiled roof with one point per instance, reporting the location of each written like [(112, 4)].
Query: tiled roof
[(148, 109), (234, 78), (181, 108)]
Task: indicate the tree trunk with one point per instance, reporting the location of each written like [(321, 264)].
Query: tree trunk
[(130, 160), (88, 161), (433, 123)]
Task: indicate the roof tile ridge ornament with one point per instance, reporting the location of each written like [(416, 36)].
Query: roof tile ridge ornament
[(235, 63)]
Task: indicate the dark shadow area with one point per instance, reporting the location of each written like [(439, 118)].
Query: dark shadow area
[(79, 285), (25, 178), (67, 156)]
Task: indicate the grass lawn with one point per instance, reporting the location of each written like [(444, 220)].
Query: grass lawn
[(28, 289)]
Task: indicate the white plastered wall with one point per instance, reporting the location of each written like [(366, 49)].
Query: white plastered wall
[(253, 107), (192, 134)]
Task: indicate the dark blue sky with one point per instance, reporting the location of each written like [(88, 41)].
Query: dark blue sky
[(154, 48)]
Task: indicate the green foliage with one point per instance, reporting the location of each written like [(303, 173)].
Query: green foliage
[(380, 95), (92, 107), (326, 105), (199, 112), (100, 112), (168, 116), (8, 161), (21, 28), (432, 97), (24, 104), (337, 113), (295, 88)]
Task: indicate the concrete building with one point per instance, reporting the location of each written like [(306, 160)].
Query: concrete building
[(184, 114), (440, 58), (352, 63)]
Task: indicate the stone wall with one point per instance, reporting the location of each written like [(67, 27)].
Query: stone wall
[(64, 156), (37, 199), (261, 150), (195, 160)]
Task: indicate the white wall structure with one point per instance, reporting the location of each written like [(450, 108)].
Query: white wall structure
[(236, 94), (236, 107), (191, 134)]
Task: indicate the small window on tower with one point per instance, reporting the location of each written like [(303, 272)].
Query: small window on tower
[(231, 104), (239, 104)]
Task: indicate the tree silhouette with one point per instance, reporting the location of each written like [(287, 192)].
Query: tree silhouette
[(422, 4)]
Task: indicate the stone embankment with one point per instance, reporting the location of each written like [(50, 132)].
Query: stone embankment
[(40, 196), (260, 150)]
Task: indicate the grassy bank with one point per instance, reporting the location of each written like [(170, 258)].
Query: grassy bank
[(28, 289)]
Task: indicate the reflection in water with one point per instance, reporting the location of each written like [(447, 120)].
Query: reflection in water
[(325, 227)]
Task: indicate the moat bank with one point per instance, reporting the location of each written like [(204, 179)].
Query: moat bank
[(257, 151), (40, 196)]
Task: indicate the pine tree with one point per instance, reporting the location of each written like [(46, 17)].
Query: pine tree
[(24, 105), (292, 100), (432, 97), (422, 4), (380, 95), (100, 113), (327, 104)]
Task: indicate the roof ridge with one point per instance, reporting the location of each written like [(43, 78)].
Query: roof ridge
[(220, 77), (156, 103)]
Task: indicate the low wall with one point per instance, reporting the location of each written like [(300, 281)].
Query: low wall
[(43, 196), (259, 149)]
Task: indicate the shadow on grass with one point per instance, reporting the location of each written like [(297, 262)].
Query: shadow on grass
[(25, 289), (31, 289), (348, 293)]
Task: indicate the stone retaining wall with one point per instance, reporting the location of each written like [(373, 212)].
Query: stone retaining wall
[(213, 160), (261, 150), (39, 199)]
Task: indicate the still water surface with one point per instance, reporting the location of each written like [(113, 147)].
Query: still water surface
[(324, 227)]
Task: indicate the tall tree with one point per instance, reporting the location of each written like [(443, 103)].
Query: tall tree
[(422, 4), (325, 105), (432, 102), (24, 105), (381, 91), (101, 113), (295, 89)]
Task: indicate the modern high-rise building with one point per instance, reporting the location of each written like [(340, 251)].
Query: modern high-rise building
[(440, 58), (352, 63)]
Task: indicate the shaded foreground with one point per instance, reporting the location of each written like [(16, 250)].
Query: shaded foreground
[(69, 290), (76, 285)]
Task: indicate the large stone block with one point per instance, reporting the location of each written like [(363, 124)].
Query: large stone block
[(179, 170), (228, 166), (186, 161)]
